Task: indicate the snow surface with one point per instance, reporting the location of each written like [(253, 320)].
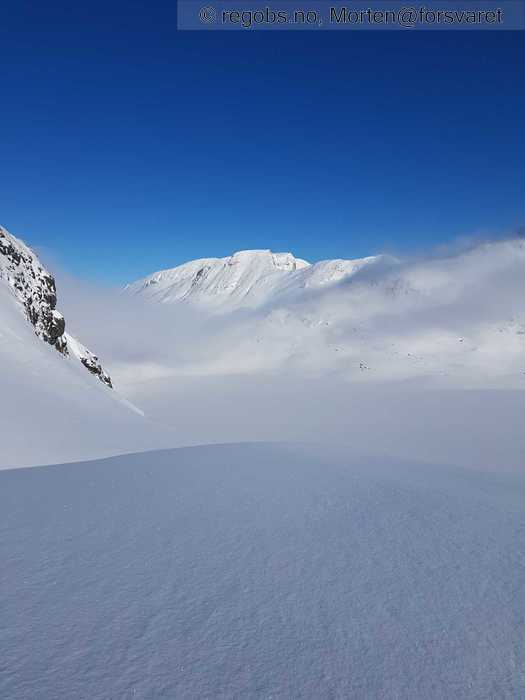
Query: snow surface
[(261, 571), (477, 428), (52, 410)]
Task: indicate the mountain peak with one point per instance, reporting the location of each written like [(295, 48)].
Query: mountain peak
[(247, 278), (242, 278), (281, 261)]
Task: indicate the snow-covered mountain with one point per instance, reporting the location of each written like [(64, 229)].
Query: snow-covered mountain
[(248, 278), (34, 289), (459, 315)]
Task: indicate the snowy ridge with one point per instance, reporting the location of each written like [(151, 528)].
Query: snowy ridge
[(458, 315), (247, 278), (35, 290)]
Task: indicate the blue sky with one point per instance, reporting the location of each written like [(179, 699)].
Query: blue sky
[(127, 146)]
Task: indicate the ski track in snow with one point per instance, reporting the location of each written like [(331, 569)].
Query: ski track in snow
[(261, 571)]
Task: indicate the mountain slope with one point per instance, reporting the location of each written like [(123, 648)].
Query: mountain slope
[(35, 290), (51, 408), (460, 316), (248, 278)]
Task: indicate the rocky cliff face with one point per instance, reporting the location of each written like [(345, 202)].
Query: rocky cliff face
[(35, 289)]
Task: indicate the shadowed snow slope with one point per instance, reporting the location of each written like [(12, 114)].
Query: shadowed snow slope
[(258, 571), (51, 409)]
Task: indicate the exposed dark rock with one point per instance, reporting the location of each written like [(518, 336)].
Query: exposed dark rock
[(35, 288), (92, 365)]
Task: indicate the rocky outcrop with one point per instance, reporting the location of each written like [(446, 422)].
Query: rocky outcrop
[(93, 366), (35, 289), (87, 359)]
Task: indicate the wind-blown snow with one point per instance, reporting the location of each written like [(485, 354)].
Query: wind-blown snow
[(256, 571)]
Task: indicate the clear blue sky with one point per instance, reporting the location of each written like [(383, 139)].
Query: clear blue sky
[(127, 146)]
